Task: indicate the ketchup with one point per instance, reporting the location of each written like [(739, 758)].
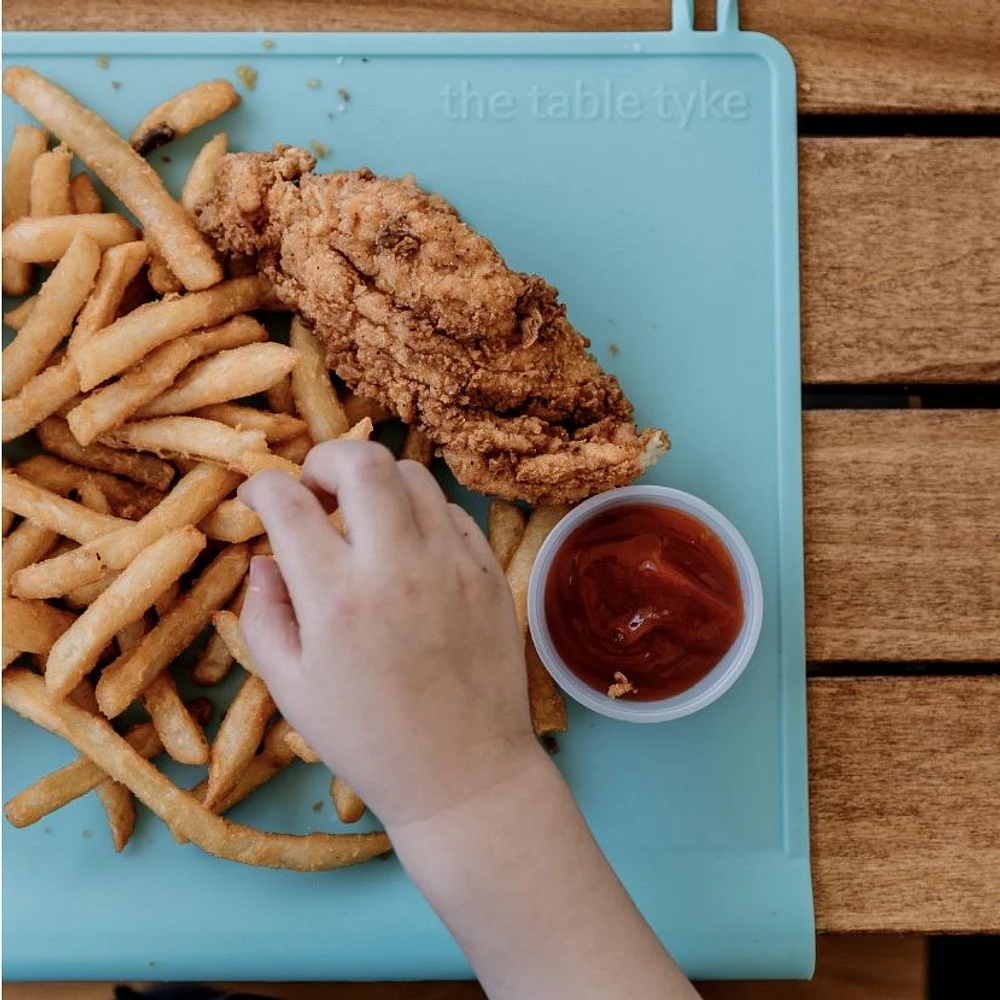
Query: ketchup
[(644, 598)]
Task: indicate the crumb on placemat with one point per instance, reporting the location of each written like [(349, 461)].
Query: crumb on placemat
[(343, 94), (247, 75), (613, 350), (314, 83), (103, 62), (317, 806), (267, 44), (320, 149), (116, 84), (621, 687)]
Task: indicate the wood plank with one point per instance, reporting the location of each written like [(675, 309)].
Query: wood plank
[(900, 260), (905, 776), (854, 55), (873, 967), (902, 517)]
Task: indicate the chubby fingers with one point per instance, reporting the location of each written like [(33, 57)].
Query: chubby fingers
[(268, 621), (303, 540), (369, 489)]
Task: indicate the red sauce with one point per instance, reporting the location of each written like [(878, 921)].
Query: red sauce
[(646, 592)]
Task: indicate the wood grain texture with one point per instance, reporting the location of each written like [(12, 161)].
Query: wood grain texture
[(905, 776), (902, 515), (900, 260), (873, 967), (854, 55)]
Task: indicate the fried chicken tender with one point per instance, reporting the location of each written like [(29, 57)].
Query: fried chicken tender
[(420, 313)]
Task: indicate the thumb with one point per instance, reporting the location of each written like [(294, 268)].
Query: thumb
[(268, 620)]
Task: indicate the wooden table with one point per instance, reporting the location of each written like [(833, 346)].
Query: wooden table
[(901, 361)]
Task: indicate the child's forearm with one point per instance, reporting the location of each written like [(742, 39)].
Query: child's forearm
[(522, 885)]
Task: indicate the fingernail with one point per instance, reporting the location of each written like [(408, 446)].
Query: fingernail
[(255, 573)]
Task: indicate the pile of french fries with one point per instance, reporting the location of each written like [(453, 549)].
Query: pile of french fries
[(124, 543)]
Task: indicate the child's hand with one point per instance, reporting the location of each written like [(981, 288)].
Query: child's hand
[(394, 651)]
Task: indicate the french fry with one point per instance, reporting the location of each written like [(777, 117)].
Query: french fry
[(188, 502), (72, 781), (279, 396), (40, 397), (54, 512), (215, 660), (350, 808), (182, 737), (81, 598), (417, 446), (545, 700), (167, 225), (27, 544), (49, 193), (507, 522), (56, 437), (239, 735), (232, 521), (540, 523), (59, 301), (129, 499), (183, 113), (131, 594), (315, 398), (16, 318), (233, 333), (125, 679), (191, 437), (277, 427), (83, 196), (222, 377), (201, 177), (33, 626), (42, 241), (358, 407), (92, 496), (119, 807), (295, 449), (27, 145), (119, 265), (227, 625), (130, 338), (161, 278), (301, 749)]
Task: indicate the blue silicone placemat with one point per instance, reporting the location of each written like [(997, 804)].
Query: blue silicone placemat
[(652, 178)]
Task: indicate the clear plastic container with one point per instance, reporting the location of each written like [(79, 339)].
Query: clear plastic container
[(722, 676)]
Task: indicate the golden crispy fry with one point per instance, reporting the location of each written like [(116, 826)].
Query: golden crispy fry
[(28, 543), (201, 177), (108, 407), (59, 301), (33, 626), (183, 113), (227, 625), (191, 437), (16, 318), (83, 196), (56, 436), (168, 598), (27, 145), (50, 194), (82, 597), (92, 496), (72, 781), (315, 398), (232, 521), (161, 278), (277, 427), (301, 749), (417, 446), (350, 808), (40, 397), (240, 733), (119, 265), (222, 377), (295, 449), (188, 502), (182, 737), (119, 807), (279, 396), (541, 522), (546, 701), (167, 225), (52, 511), (42, 241), (215, 660), (358, 407), (131, 594), (506, 529), (133, 336), (125, 679)]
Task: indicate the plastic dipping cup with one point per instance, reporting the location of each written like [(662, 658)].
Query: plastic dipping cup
[(720, 678)]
